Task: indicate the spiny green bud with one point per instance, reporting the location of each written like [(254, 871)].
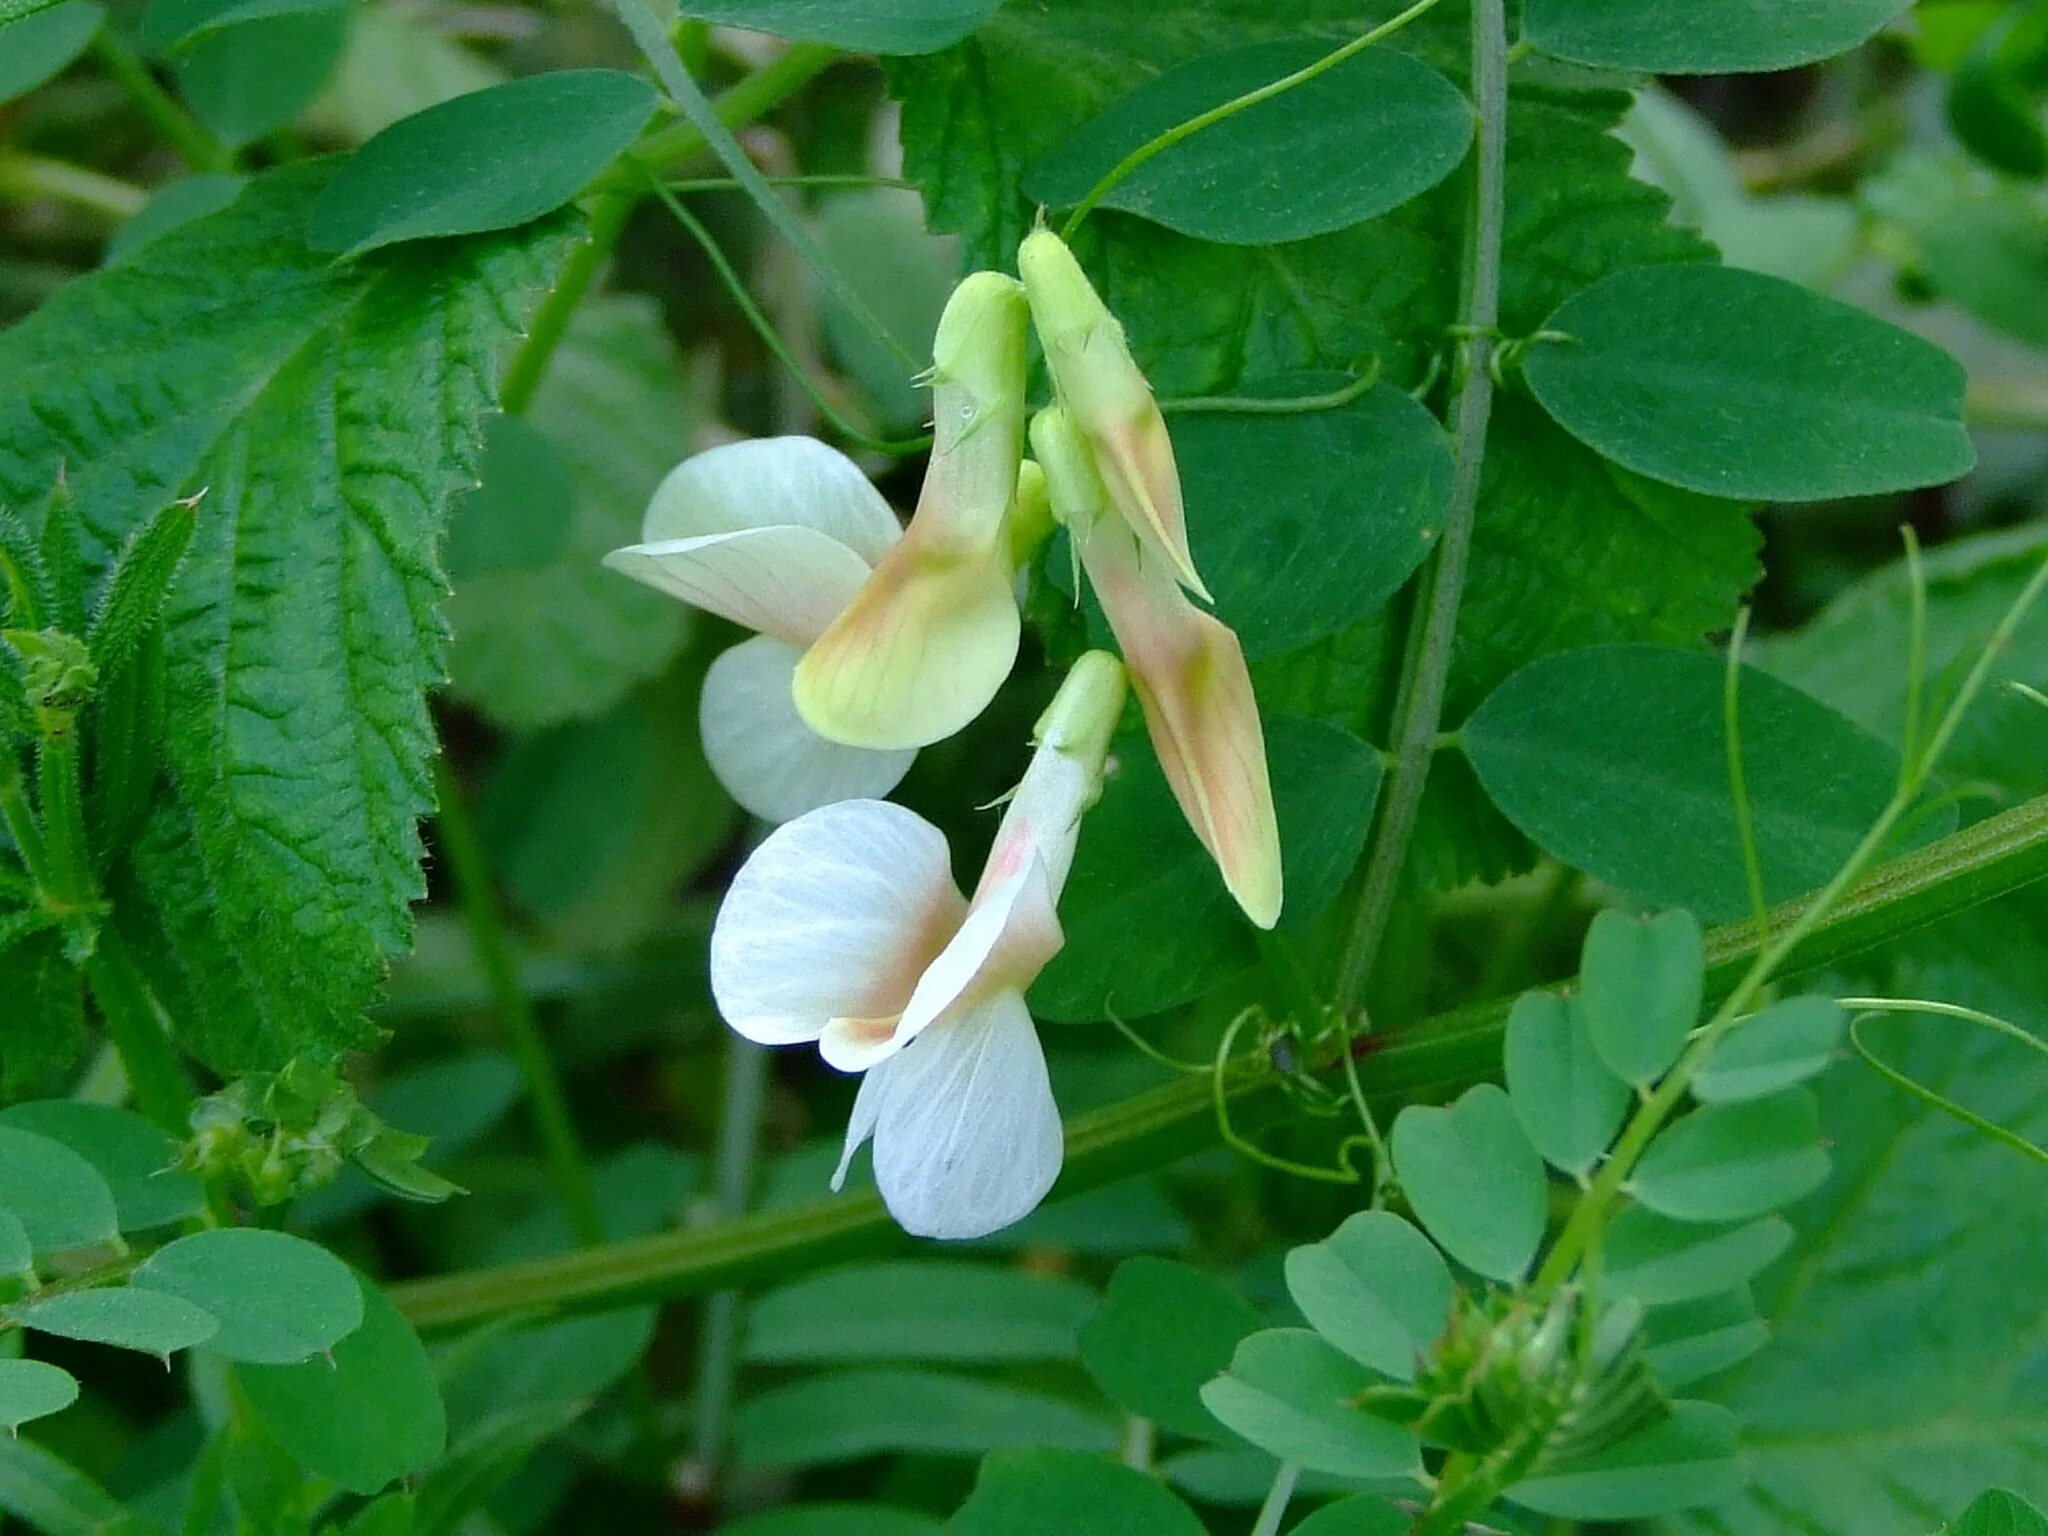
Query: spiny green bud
[(58, 676)]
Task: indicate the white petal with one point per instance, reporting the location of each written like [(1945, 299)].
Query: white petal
[(767, 482), (836, 915), (788, 582), (773, 764), (967, 1136)]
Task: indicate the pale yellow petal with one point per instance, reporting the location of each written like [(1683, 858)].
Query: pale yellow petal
[(787, 582)]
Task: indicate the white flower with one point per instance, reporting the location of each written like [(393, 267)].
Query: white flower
[(845, 928), (778, 535)]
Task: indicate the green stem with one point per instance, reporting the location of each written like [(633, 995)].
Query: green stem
[(21, 823), (179, 128), (2020, 406), (1419, 710), (1215, 115), (136, 1026), (466, 860), (1274, 1510), (59, 786), (609, 210), (25, 176), (1438, 1057)]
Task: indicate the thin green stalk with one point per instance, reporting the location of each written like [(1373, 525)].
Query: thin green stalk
[(1738, 776), (464, 851), (1266, 405), (1437, 1058), (609, 209), (179, 128), (1873, 1006), (26, 176), (1916, 653), (683, 89), (135, 1025), (21, 823), (1274, 1510), (1215, 115), (1419, 710)]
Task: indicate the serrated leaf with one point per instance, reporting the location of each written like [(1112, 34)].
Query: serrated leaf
[(1704, 37), (331, 411), (1294, 1395), (1687, 1460), (43, 1029), (1641, 985), (1784, 1045), (280, 1299), (848, 1415), (1654, 1260), (1162, 1331), (868, 26), (151, 1321), (1732, 1161), (1569, 1101), (1474, 1181), (54, 1193), (918, 1309), (33, 1389), (1022, 1493), (368, 1416), (1401, 126), (1701, 376), (1376, 1288), (491, 160), (1613, 759), (41, 44)]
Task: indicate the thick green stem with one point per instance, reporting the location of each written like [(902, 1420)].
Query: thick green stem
[(179, 128), (59, 786), (464, 850), (1419, 710), (1439, 1057), (1274, 1510), (136, 1026), (26, 176)]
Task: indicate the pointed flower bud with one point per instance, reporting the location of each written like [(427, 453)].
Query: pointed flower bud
[(1103, 391), (929, 639), (845, 928), (1188, 671)]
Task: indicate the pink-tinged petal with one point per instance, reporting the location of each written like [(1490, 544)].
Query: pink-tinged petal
[(787, 582), (1105, 393), (967, 1135), (836, 915), (759, 748), (772, 482)]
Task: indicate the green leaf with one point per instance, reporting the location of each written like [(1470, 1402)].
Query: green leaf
[(171, 23), (490, 160), (1027, 1492), (1694, 1340), (834, 1520), (1653, 1259), (919, 1309), (39, 45), (1729, 1162), (1292, 1394), (1702, 376), (543, 632), (865, 26), (142, 574), (1163, 1330), (1782, 1046), (573, 1361), (1381, 127), (1473, 1180), (876, 237), (474, 1470), (17, 1254), (1999, 1513), (1704, 37), (370, 1415), (397, 63), (1364, 1514), (32, 1389), (132, 1155), (1687, 1460), (1377, 1289), (1569, 1102), (57, 1195), (41, 1033), (1980, 241), (1641, 985), (248, 80), (1612, 758), (1139, 947), (849, 1415), (56, 1498), (1298, 557), (280, 1299), (331, 411), (150, 1321), (176, 202)]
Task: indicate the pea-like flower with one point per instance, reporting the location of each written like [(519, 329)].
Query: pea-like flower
[(778, 535), (845, 928)]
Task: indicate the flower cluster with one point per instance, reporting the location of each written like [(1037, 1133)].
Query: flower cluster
[(845, 927)]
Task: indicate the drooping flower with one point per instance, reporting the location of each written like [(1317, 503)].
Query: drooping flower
[(932, 634), (778, 535), (1106, 395), (1186, 667), (845, 928)]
